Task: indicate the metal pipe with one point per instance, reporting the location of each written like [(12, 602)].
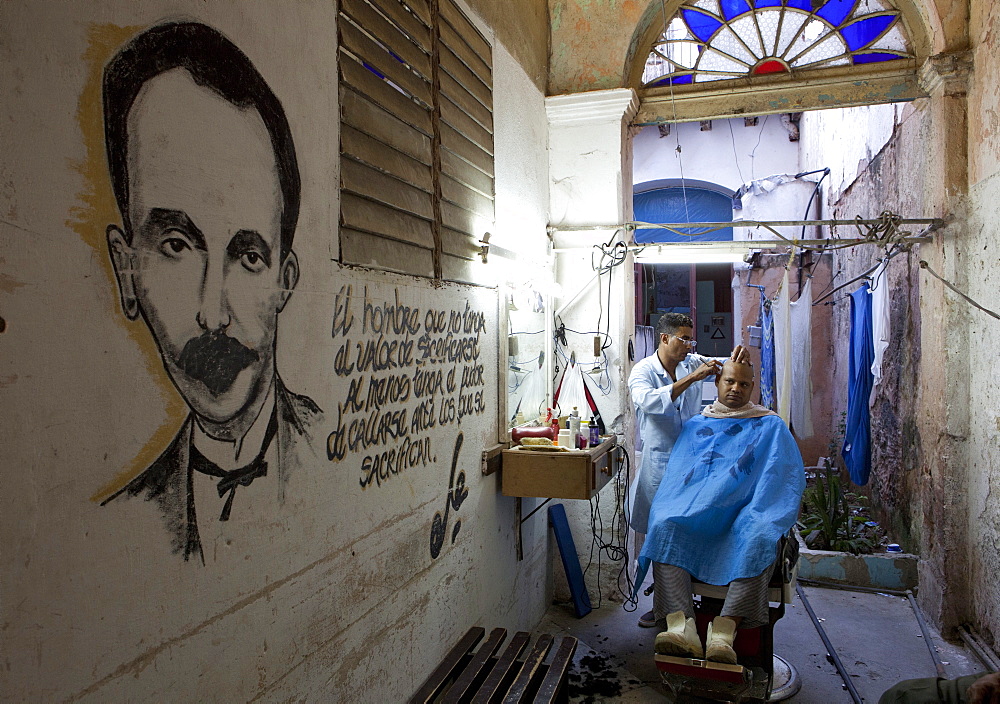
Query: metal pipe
[(829, 648), (850, 587), (532, 513), (570, 301), (938, 665), (978, 649), (934, 223)]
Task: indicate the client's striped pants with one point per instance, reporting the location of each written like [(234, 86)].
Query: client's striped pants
[(746, 598)]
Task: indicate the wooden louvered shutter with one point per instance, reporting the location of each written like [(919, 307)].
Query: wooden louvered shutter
[(416, 144)]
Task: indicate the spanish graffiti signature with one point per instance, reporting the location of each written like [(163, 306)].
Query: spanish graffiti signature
[(457, 493)]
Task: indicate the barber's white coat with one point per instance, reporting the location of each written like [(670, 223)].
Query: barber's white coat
[(660, 420)]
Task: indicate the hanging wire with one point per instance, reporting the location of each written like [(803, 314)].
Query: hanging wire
[(927, 267), (677, 132)]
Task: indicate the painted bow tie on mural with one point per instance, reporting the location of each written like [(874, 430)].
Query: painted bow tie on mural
[(229, 480)]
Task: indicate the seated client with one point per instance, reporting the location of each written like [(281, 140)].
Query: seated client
[(730, 490)]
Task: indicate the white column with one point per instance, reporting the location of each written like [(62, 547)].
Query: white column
[(590, 157), (590, 172)]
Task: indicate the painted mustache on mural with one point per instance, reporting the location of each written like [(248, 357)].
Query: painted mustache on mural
[(215, 359)]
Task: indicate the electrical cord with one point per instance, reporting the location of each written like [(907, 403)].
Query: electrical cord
[(617, 549)]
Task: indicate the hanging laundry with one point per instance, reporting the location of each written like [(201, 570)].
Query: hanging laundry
[(857, 439), (801, 392), (783, 351), (766, 353), (880, 324)]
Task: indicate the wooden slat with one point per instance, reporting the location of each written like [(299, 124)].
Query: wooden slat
[(359, 213), (365, 249), (459, 219), (464, 271), (360, 45), (491, 688), (459, 195), (465, 100), (476, 665), (460, 244), (459, 145), (371, 119), (366, 181), (466, 125), (551, 686), (464, 52), (461, 73), (457, 19), (528, 669), (463, 172), (385, 96), (421, 8), (405, 20), (375, 153), (388, 34)]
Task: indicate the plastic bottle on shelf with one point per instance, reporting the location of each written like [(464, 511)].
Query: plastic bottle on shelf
[(574, 423), (585, 433), (595, 435)]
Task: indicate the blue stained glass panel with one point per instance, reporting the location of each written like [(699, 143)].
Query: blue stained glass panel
[(667, 80), (701, 25), (836, 11), (733, 8), (804, 5), (863, 32), (767, 3), (875, 58)]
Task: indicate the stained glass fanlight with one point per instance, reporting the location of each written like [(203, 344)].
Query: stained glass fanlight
[(712, 40)]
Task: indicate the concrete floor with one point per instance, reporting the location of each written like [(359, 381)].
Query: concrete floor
[(876, 636)]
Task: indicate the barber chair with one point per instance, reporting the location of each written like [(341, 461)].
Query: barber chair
[(760, 675)]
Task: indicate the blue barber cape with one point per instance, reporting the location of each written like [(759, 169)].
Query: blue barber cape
[(732, 487)]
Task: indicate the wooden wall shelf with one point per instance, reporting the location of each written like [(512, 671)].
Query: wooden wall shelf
[(577, 474)]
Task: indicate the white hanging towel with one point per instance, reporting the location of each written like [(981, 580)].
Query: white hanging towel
[(880, 323), (783, 351), (801, 316)]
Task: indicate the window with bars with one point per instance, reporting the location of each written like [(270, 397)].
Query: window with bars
[(416, 137), (712, 40)]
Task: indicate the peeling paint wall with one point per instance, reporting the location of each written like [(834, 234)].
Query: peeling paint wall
[(720, 156), (522, 26), (983, 331), (589, 42), (881, 172), (369, 541)]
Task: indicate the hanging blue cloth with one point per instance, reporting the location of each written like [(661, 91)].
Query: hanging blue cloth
[(767, 399), (857, 438)]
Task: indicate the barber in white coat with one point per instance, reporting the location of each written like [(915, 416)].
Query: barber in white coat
[(666, 390)]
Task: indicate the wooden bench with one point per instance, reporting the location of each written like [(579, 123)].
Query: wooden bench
[(484, 677)]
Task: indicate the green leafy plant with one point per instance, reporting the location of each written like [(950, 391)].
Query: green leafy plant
[(833, 518)]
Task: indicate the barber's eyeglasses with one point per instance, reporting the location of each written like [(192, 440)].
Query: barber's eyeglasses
[(687, 341)]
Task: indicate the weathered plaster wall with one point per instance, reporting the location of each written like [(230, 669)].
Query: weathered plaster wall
[(883, 171), (522, 27), (983, 331), (590, 162), (589, 40), (330, 580), (720, 156)]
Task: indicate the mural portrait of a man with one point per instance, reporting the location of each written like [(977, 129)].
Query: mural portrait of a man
[(205, 176)]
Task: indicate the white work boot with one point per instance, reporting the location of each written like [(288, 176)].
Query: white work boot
[(680, 638), (719, 641)]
